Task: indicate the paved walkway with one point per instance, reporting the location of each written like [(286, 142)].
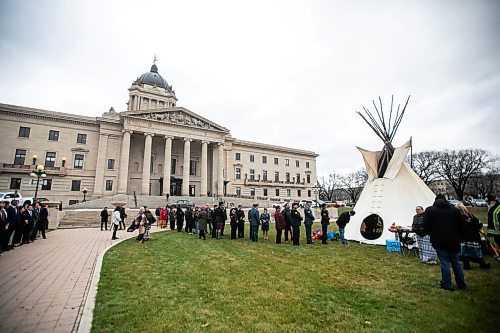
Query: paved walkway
[(44, 285)]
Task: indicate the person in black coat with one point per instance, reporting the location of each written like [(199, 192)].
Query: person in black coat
[(179, 218), (296, 219), (13, 219), (342, 221), (43, 220), (325, 221), (29, 222), (288, 221), (471, 245), (189, 220), (240, 217), (444, 224), (4, 227), (233, 222), (123, 216), (104, 218)]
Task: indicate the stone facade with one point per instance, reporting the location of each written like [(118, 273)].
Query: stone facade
[(131, 151)]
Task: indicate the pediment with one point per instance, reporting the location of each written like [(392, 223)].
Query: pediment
[(177, 116)]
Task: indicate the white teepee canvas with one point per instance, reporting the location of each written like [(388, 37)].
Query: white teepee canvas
[(392, 198)]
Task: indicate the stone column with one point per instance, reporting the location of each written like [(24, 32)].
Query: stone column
[(167, 164), (146, 165), (220, 171), (185, 168), (101, 165), (204, 168), (124, 159)]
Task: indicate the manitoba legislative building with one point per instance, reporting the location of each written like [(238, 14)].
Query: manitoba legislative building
[(153, 148)]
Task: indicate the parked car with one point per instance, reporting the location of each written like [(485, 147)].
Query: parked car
[(183, 203), (454, 202), (9, 196), (478, 203)]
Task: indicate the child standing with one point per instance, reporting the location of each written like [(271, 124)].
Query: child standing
[(264, 219)]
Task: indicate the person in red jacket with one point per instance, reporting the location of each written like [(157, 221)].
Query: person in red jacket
[(163, 217), (279, 222)]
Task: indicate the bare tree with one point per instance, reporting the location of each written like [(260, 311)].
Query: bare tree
[(425, 165), (458, 166), (484, 183), (353, 184), (328, 186)]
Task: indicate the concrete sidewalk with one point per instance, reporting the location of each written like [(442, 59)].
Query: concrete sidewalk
[(44, 285)]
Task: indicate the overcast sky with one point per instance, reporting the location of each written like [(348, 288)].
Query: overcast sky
[(290, 73)]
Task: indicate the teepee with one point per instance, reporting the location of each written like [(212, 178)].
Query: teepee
[(392, 190)]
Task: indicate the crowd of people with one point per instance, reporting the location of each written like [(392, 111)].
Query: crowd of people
[(21, 225)]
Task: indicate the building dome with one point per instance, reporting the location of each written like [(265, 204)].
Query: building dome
[(153, 78)]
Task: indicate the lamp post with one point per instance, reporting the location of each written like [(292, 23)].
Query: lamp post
[(38, 173), (84, 194), (316, 191), (34, 159)]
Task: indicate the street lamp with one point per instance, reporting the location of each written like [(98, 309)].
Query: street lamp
[(316, 190), (34, 159), (84, 194), (38, 173)]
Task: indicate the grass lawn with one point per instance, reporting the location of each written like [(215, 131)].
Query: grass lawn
[(178, 283)]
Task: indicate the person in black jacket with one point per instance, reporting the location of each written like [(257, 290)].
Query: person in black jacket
[(104, 218), (471, 245), (233, 222), (296, 219), (425, 250), (43, 220), (443, 222), (179, 218), (325, 221), (342, 221), (29, 222), (240, 218), (13, 219), (288, 221)]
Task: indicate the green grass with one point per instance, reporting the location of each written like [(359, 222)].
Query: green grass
[(178, 283)]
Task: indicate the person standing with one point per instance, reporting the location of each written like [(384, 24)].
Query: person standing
[(29, 222), (213, 221), (179, 217), (296, 219), (233, 222), (240, 217), (123, 216), (171, 217), (163, 217), (220, 220), (115, 221), (141, 220), (224, 216), (494, 218), (342, 221), (20, 228), (264, 220), (470, 249), (202, 223), (443, 223), (43, 219), (157, 214), (104, 218), (189, 220), (4, 228), (36, 211), (308, 221), (279, 223), (288, 221), (325, 221), (13, 220), (253, 218), (427, 253)]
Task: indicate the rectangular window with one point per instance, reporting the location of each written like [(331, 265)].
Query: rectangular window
[(75, 185), (151, 165), (53, 135), (307, 165), (81, 138), (173, 165), (297, 163), (309, 193), (287, 162), (192, 168), (237, 157), (15, 183), (264, 159), (252, 158), (264, 175), (287, 177), (308, 178), (111, 164), (46, 184), (50, 159), (277, 192), (276, 176), (276, 161), (73, 202), (298, 178), (20, 157), (238, 191), (299, 193), (252, 174), (288, 192), (78, 161), (109, 185), (264, 192), (24, 132), (252, 192), (238, 173)]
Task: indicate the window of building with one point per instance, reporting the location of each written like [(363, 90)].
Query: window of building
[(151, 165), (173, 165), (287, 162), (252, 158), (192, 168), (73, 202), (50, 159), (238, 173), (307, 165), (237, 157), (111, 164), (78, 161), (109, 185), (264, 192), (252, 191), (252, 174), (46, 184), (297, 163), (277, 192), (24, 132), (81, 138), (299, 193), (298, 178), (276, 176), (75, 185), (264, 159), (308, 176), (238, 191), (288, 192), (15, 183), (20, 157), (309, 193), (53, 135), (264, 175), (287, 177), (276, 161)]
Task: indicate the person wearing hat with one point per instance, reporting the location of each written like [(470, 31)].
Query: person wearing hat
[(494, 218), (220, 220), (287, 216), (296, 219), (104, 218), (240, 218), (254, 219), (13, 219), (233, 221), (325, 221), (308, 221)]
